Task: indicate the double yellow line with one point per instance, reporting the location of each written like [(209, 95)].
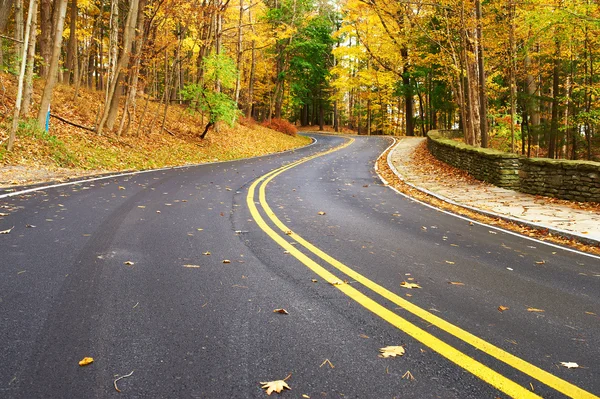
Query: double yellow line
[(476, 368)]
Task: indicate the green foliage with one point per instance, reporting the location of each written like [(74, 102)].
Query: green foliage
[(57, 150), (218, 69)]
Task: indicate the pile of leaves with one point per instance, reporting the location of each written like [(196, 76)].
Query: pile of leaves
[(425, 161), (281, 125)]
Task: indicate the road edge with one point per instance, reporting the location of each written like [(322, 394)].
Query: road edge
[(557, 232)]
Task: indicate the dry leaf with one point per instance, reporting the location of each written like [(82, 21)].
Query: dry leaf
[(192, 266), (314, 280), (7, 231), (337, 282), (321, 213), (502, 308), (86, 360), (226, 261), (540, 262), (456, 283), (276, 386), (206, 253), (129, 263), (391, 351), (282, 311), (404, 284), (289, 232), (121, 188), (569, 365), (534, 310), (449, 262)]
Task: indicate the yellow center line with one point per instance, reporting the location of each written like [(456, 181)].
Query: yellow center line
[(485, 373)]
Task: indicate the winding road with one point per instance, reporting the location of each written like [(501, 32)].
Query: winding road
[(175, 275)]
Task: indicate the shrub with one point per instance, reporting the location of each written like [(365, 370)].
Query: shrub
[(281, 125), (248, 122)]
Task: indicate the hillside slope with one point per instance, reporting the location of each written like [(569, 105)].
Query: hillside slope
[(68, 151)]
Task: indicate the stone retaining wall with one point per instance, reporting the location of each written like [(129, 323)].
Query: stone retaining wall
[(571, 180), (495, 167)]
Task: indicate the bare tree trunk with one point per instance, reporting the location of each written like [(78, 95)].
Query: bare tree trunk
[(113, 52), (71, 63), (19, 30), (555, 102), (480, 63), (134, 71), (112, 102), (46, 35), (5, 6), (239, 53), (53, 67), (28, 89), (15, 122)]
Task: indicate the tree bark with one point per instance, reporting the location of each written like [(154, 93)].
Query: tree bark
[(28, 89), (15, 122), (555, 102), (5, 6), (111, 106), (53, 67), (47, 33), (72, 46)]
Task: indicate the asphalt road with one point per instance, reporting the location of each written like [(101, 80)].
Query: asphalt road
[(130, 271)]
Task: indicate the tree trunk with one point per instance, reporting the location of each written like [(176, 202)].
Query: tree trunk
[(28, 90), (19, 31), (480, 61), (555, 102), (53, 67), (15, 122), (113, 52), (72, 46), (47, 33), (239, 54), (408, 95), (111, 107), (5, 6)]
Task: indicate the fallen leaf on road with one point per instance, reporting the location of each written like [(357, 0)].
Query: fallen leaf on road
[(321, 213), (502, 308), (410, 286), (449, 262), (121, 188), (206, 253), (276, 386), (128, 263), (314, 280), (289, 232), (141, 206), (455, 283), (541, 262), (591, 313), (569, 365), (29, 226), (7, 231), (391, 351), (408, 375), (192, 266), (282, 311), (226, 261), (423, 227), (85, 361), (337, 282), (534, 310)]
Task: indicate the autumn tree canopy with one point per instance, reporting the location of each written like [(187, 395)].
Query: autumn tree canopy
[(520, 76)]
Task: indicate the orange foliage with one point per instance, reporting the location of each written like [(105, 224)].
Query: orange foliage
[(281, 125)]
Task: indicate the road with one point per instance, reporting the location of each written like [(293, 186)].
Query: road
[(175, 275)]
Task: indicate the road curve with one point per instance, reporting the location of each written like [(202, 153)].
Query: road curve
[(130, 271)]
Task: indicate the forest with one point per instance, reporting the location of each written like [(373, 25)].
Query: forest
[(520, 76)]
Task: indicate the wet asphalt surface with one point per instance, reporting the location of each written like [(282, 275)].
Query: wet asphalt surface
[(129, 271)]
